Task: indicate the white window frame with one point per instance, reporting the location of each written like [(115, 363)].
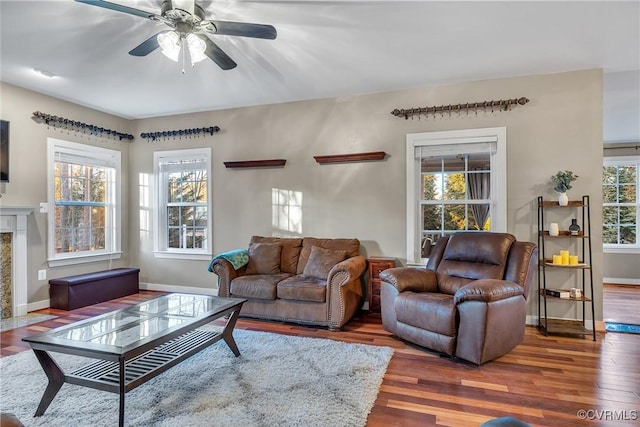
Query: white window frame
[(617, 161), (102, 156), (498, 179), (160, 202)]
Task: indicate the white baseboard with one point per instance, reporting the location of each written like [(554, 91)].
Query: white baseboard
[(623, 281), (182, 289), (38, 305)]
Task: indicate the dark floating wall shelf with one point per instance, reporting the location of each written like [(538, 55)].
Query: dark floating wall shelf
[(272, 163), (356, 157)]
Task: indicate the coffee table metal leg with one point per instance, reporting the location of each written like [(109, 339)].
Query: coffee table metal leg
[(122, 392), (227, 332), (56, 380)]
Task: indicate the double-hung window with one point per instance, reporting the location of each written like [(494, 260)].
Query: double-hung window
[(621, 204), (183, 221), (455, 181), (84, 203)]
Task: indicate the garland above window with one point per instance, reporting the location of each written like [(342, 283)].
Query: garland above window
[(79, 127), (183, 133), (500, 105)]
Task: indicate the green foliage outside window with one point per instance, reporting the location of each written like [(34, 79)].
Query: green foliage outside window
[(620, 211), (445, 216)]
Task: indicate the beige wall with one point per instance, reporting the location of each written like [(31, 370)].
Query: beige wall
[(28, 181), (560, 128)]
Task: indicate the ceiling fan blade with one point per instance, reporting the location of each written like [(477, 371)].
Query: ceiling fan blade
[(216, 54), (244, 29), (120, 8), (147, 46)]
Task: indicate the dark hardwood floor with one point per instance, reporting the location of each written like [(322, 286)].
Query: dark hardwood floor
[(545, 381)]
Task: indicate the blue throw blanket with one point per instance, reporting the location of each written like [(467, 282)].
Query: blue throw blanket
[(237, 258)]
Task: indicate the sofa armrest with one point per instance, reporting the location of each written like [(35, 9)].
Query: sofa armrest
[(226, 273), (487, 290), (410, 279), (353, 268)]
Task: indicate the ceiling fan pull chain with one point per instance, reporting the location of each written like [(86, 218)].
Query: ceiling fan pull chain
[(182, 52)]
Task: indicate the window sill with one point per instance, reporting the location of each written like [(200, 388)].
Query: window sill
[(197, 256), (83, 259), (616, 250)]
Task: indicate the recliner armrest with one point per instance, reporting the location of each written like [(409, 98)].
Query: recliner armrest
[(410, 279), (487, 290)]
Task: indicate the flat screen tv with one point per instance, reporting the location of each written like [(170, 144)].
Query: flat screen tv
[(4, 151)]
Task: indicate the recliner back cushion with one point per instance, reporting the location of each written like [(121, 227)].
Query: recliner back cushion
[(350, 246), (291, 248), (472, 256)]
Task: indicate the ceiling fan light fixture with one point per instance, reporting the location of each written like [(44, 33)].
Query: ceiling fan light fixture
[(197, 48), (169, 43)]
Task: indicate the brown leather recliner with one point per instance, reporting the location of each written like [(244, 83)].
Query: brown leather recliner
[(469, 302)]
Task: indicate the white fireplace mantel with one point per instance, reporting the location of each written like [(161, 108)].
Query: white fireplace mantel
[(13, 219)]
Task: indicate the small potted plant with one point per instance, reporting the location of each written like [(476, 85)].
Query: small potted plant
[(561, 184)]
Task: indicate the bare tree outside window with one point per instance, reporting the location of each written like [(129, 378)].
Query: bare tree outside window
[(80, 207)]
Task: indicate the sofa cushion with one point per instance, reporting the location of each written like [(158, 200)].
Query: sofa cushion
[(430, 311), (257, 286), (303, 288), (350, 246), (321, 261), (291, 248), (264, 258)]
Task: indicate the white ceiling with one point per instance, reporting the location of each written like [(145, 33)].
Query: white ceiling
[(323, 49)]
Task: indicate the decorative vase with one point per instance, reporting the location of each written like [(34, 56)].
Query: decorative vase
[(553, 229), (574, 228), (563, 199)]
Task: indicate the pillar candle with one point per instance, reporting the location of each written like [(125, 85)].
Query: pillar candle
[(557, 259), (573, 259), (565, 257)]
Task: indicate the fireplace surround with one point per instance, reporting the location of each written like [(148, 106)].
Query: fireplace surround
[(13, 219)]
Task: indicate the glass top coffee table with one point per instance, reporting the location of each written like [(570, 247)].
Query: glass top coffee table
[(134, 344)]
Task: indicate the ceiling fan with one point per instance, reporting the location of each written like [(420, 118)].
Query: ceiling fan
[(188, 32)]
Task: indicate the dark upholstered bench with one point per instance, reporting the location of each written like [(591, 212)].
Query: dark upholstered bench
[(68, 293)]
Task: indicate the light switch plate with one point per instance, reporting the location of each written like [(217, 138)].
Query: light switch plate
[(42, 274), (44, 207)]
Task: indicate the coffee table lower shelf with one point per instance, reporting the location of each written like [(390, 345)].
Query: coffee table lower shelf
[(105, 375)]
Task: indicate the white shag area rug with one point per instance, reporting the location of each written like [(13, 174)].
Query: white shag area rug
[(277, 380)]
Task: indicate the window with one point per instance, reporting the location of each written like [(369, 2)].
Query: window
[(183, 213), (84, 192), (455, 181), (621, 205)]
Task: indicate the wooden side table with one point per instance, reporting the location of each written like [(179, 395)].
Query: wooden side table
[(376, 266)]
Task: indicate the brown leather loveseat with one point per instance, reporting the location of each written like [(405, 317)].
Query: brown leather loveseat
[(302, 280), (469, 302)]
